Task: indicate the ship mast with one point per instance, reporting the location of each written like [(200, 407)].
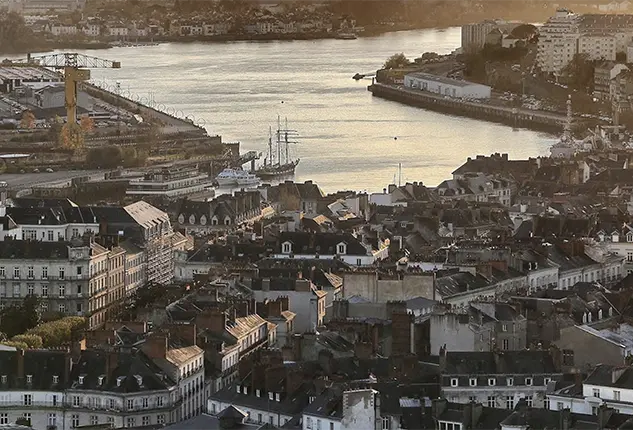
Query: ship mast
[(567, 127), (278, 140), (270, 144), (286, 139)]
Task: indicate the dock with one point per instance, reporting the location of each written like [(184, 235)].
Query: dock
[(515, 117)]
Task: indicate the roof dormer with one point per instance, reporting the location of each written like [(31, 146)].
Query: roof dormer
[(341, 248), (286, 247)]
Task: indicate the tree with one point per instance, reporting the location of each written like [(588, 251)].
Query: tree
[(396, 61), (106, 157), (33, 341), (28, 119), (579, 72), (71, 137), (17, 319), (87, 124), (59, 332)]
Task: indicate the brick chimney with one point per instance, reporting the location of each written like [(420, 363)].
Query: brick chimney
[(274, 308), (363, 350), (213, 320), (285, 303), (186, 332), (156, 346), (112, 361), (20, 359)]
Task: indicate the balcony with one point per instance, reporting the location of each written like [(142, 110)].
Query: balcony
[(19, 404)]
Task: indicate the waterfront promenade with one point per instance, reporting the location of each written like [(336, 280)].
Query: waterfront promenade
[(516, 117)]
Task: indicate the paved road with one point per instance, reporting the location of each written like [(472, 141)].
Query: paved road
[(26, 180)]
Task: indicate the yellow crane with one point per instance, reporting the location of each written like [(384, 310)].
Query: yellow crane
[(76, 69)]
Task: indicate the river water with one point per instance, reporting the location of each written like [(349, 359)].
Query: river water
[(347, 136)]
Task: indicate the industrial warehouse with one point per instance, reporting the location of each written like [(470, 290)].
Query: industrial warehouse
[(446, 86)]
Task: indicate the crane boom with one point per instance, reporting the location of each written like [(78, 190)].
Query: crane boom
[(76, 69)]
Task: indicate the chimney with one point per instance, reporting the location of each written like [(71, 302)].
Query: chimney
[(112, 362), (20, 357), (266, 284), (213, 320), (604, 415), (186, 332), (442, 358), (438, 406), (274, 308), (565, 419), (285, 304), (156, 346)]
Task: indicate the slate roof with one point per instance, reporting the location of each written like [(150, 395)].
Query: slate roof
[(603, 375), (42, 365), (456, 283), (506, 362), (92, 365), (51, 215), (33, 250), (208, 422), (319, 243), (292, 404)]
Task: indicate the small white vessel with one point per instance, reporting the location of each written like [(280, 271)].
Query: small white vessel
[(230, 177)]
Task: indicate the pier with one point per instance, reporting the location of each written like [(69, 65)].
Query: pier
[(515, 117)]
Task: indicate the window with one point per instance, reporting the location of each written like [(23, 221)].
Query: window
[(30, 289), (309, 423), (94, 420), (568, 357), (160, 419), (286, 248), (2, 272), (331, 425), (454, 382), (596, 392), (491, 401), (27, 416), (492, 382), (145, 402), (130, 403), (16, 290), (16, 272), (510, 402), (62, 308), (510, 382), (75, 421), (505, 344), (159, 402), (50, 235), (28, 399), (76, 401), (504, 327), (44, 272), (30, 272), (131, 422), (472, 399), (616, 395), (4, 418), (62, 291), (341, 248), (111, 403), (62, 273), (29, 379), (529, 381), (145, 420), (472, 382), (547, 381), (52, 419), (259, 418), (529, 401)]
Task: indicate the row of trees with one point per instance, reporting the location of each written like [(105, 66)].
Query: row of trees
[(21, 326), (15, 36)]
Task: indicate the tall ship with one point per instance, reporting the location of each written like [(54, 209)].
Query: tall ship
[(278, 161)]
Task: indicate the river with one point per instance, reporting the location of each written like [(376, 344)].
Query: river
[(349, 140)]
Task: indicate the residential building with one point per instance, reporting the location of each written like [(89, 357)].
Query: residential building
[(59, 29), (558, 41), (171, 183), (597, 46), (474, 35), (477, 187), (604, 73), (327, 246), (498, 379), (606, 385)]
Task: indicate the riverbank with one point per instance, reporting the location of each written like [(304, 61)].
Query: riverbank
[(515, 117)]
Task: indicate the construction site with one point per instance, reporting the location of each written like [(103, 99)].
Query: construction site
[(57, 127)]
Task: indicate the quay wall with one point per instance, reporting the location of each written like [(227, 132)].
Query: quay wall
[(515, 117)]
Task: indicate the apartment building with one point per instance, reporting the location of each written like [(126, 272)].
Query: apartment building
[(597, 46), (558, 41), (64, 390), (474, 35)]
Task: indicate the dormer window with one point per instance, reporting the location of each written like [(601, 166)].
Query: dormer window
[(277, 397), (29, 379), (472, 382), (629, 237), (100, 380), (119, 380), (528, 382), (341, 248), (55, 379), (238, 389), (81, 380), (492, 382), (286, 247), (245, 390), (258, 392), (510, 382), (312, 399), (454, 382), (271, 395), (4, 379), (139, 380)]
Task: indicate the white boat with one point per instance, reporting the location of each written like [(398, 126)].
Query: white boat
[(230, 177)]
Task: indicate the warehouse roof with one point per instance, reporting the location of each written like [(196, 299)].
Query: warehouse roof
[(442, 79)]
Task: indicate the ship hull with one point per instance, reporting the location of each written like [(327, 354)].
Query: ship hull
[(276, 171)]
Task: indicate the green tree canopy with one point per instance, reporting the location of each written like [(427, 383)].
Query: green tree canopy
[(17, 319), (579, 72), (59, 332), (396, 61)]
